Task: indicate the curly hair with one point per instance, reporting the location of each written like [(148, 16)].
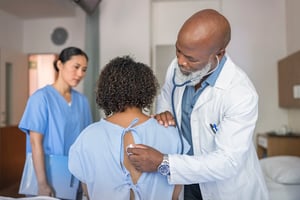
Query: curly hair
[(124, 83)]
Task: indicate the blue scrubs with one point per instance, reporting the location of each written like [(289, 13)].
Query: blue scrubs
[(96, 158), (48, 113)]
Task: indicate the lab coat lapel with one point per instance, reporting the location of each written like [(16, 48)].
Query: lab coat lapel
[(205, 96), (222, 83), (226, 75)]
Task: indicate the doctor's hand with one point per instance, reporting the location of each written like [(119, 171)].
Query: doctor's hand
[(165, 118), (144, 158)]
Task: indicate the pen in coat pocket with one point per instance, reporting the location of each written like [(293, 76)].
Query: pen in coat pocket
[(213, 127)]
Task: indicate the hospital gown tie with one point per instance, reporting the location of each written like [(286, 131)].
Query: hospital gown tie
[(128, 181)]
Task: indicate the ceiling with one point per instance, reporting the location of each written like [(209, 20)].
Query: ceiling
[(32, 9)]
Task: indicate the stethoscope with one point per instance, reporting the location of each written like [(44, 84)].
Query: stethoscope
[(175, 85)]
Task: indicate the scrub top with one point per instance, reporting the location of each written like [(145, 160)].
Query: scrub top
[(60, 122), (96, 158)]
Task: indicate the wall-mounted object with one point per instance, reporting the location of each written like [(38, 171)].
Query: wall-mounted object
[(59, 36), (289, 81)]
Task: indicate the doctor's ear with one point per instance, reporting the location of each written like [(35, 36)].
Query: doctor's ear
[(220, 54)]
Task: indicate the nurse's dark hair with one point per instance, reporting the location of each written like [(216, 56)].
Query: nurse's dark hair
[(124, 83), (66, 55)]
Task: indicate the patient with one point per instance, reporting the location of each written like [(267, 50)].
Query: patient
[(99, 159)]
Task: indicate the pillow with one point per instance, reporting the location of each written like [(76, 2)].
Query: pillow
[(282, 169)]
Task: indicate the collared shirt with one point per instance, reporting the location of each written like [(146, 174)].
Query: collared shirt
[(190, 97)]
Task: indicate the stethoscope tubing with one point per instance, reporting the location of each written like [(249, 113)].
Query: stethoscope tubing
[(172, 99), (173, 107)]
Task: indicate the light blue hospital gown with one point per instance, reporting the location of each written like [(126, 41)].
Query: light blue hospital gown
[(96, 158), (48, 113)]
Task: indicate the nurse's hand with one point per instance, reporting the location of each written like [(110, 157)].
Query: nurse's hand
[(144, 158), (165, 118), (45, 190)]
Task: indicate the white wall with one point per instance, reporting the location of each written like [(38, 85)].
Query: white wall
[(125, 29), (11, 31), (37, 33), (258, 42), (167, 18), (292, 26), (293, 45)]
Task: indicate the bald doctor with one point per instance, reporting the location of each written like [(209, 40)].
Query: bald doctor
[(215, 107)]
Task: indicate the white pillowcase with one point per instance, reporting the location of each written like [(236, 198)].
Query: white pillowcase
[(282, 169)]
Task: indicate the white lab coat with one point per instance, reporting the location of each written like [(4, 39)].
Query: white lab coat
[(225, 164)]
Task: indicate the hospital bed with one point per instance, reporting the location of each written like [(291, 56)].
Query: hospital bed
[(282, 176)]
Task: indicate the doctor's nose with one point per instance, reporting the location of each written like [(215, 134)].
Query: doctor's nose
[(183, 66), (181, 61)]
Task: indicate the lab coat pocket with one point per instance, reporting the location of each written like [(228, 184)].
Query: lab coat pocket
[(208, 136)]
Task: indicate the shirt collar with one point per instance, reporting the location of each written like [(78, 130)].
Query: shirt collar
[(211, 80)]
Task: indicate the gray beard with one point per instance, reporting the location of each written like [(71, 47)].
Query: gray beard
[(194, 77)]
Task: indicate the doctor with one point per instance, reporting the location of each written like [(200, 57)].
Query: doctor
[(214, 106)]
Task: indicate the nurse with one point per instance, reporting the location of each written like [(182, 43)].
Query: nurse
[(215, 107), (56, 114)]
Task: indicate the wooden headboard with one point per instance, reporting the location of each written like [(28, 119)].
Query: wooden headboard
[(12, 156)]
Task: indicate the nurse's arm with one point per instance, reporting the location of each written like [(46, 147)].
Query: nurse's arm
[(38, 157)]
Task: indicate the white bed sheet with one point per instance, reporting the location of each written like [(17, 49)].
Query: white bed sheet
[(281, 174), (282, 191)]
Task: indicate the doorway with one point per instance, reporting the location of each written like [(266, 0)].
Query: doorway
[(13, 86), (41, 71)]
